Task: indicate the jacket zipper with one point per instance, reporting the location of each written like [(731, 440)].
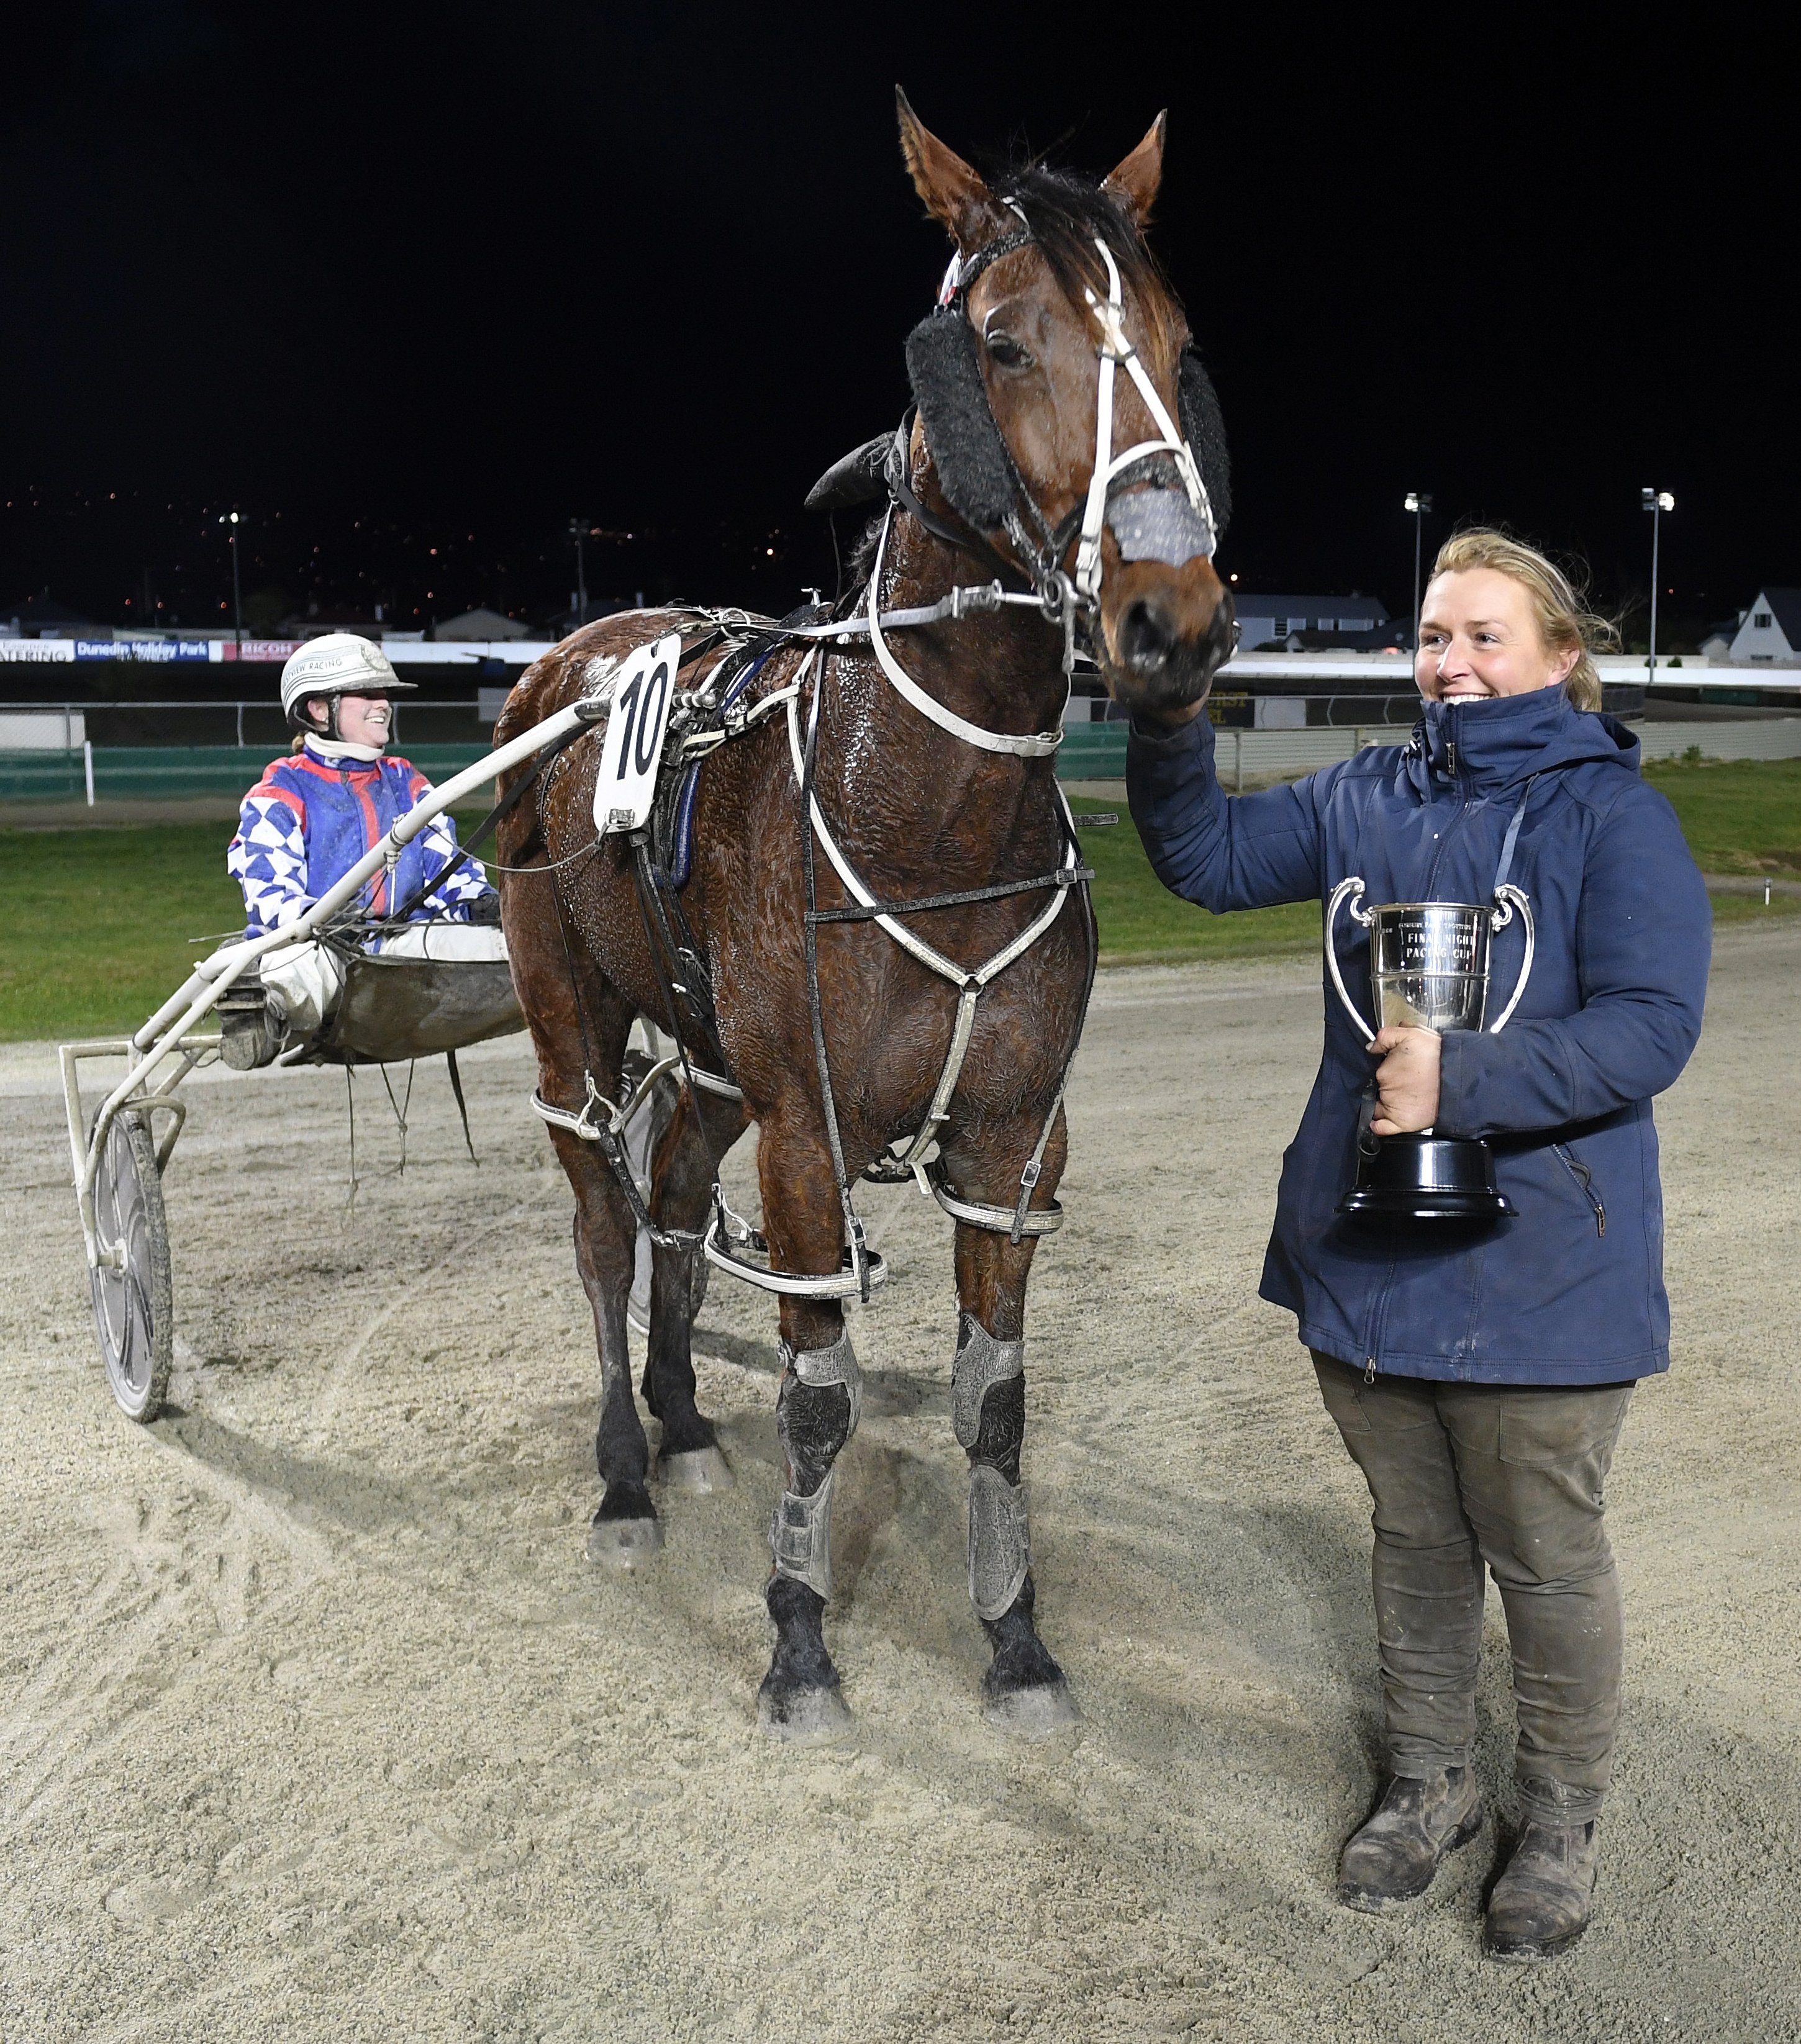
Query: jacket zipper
[(1585, 1178)]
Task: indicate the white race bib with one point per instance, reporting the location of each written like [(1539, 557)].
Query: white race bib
[(642, 691)]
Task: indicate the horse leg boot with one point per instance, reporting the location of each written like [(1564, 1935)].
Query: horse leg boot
[(816, 1413), (689, 1456), (1025, 1689)]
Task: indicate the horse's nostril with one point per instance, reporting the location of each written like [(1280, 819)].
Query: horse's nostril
[(1147, 635)]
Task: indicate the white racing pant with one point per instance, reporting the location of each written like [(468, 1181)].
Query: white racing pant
[(308, 978)]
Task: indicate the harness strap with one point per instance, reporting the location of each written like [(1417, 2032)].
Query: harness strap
[(808, 809), (933, 959), (1037, 746), (999, 1220), (1065, 876)]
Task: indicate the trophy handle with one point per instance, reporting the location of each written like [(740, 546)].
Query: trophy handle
[(1507, 899), (1351, 888)]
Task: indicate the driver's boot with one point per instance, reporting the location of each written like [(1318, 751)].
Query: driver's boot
[(1541, 1904), (1419, 1822), (252, 1024)]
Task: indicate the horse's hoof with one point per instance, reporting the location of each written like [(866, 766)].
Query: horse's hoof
[(625, 1544), (805, 1717), (1041, 1711), (701, 1470)]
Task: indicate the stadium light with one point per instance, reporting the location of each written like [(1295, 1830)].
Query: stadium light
[(1657, 502), (1419, 504)]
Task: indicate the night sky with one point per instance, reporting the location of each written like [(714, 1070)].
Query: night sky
[(445, 278)]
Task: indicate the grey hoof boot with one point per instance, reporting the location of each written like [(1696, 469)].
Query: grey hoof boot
[(1416, 1827), (1541, 1904)]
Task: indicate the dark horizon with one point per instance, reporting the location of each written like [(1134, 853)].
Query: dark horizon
[(385, 290)]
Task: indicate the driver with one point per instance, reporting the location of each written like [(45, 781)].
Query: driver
[(312, 816)]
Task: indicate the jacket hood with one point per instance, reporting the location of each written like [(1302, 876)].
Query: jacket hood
[(1495, 743)]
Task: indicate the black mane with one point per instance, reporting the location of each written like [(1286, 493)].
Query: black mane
[(1068, 215)]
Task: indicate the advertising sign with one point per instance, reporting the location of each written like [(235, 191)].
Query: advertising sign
[(37, 649), (258, 649), (158, 652)]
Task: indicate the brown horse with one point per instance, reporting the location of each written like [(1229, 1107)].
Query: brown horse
[(1055, 328)]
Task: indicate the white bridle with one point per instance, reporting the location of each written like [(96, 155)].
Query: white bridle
[(1059, 596), (1116, 349)]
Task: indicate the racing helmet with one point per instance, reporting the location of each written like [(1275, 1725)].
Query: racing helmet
[(336, 663)]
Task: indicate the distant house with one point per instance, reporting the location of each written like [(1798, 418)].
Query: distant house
[(1769, 632), (1267, 624), (482, 623)]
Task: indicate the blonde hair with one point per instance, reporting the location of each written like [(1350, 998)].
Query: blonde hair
[(1563, 623)]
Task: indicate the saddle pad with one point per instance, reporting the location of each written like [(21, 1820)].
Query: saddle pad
[(673, 825)]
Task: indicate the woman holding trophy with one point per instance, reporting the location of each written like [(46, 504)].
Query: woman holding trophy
[(1469, 1227)]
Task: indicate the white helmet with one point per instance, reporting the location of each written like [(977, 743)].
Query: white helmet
[(337, 663)]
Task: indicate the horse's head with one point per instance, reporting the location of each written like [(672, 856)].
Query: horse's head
[(1067, 420)]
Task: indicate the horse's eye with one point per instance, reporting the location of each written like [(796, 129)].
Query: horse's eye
[(1006, 351)]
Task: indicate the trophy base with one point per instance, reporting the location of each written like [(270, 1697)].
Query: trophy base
[(1427, 1177)]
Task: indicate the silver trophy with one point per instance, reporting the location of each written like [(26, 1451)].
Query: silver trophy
[(1429, 969)]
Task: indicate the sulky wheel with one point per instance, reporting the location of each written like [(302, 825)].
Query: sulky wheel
[(133, 1306)]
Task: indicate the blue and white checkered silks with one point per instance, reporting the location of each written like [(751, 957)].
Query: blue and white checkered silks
[(308, 821)]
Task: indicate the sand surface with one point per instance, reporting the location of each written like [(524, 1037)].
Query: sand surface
[(316, 1723)]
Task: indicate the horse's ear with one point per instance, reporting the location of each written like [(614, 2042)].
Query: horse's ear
[(1136, 178), (952, 190)]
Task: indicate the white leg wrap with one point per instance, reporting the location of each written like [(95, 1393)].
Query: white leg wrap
[(999, 1550), (800, 1533), (818, 1367), (981, 1363), (800, 1537)]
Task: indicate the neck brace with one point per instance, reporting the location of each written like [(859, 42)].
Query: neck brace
[(337, 749)]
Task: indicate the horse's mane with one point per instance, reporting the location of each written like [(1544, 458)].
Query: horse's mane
[(1068, 215)]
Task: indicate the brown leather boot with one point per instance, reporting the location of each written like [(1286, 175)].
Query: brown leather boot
[(1419, 1824), (1541, 1904)]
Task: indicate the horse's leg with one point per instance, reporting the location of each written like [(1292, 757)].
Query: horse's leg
[(689, 1456), (1024, 1688), (579, 1023), (816, 1413)]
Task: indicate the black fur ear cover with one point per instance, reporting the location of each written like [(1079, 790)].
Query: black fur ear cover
[(967, 449), (1204, 429)]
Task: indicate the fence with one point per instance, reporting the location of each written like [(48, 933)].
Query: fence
[(175, 768)]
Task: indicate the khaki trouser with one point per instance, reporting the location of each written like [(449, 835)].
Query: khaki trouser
[(1511, 1475)]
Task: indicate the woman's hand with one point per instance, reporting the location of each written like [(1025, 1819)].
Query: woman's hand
[(1407, 1079)]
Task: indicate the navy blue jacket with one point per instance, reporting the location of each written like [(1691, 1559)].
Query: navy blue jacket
[(1570, 1291)]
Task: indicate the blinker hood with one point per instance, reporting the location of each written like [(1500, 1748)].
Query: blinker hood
[(974, 470)]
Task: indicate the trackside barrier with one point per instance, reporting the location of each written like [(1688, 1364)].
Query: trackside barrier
[(1089, 752)]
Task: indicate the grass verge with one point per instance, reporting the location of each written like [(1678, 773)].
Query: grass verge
[(95, 924)]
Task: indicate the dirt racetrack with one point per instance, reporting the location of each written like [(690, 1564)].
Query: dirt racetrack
[(316, 1724)]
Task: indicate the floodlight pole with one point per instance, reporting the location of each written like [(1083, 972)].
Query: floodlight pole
[(234, 521), (578, 532), (1657, 502), (1418, 503)]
